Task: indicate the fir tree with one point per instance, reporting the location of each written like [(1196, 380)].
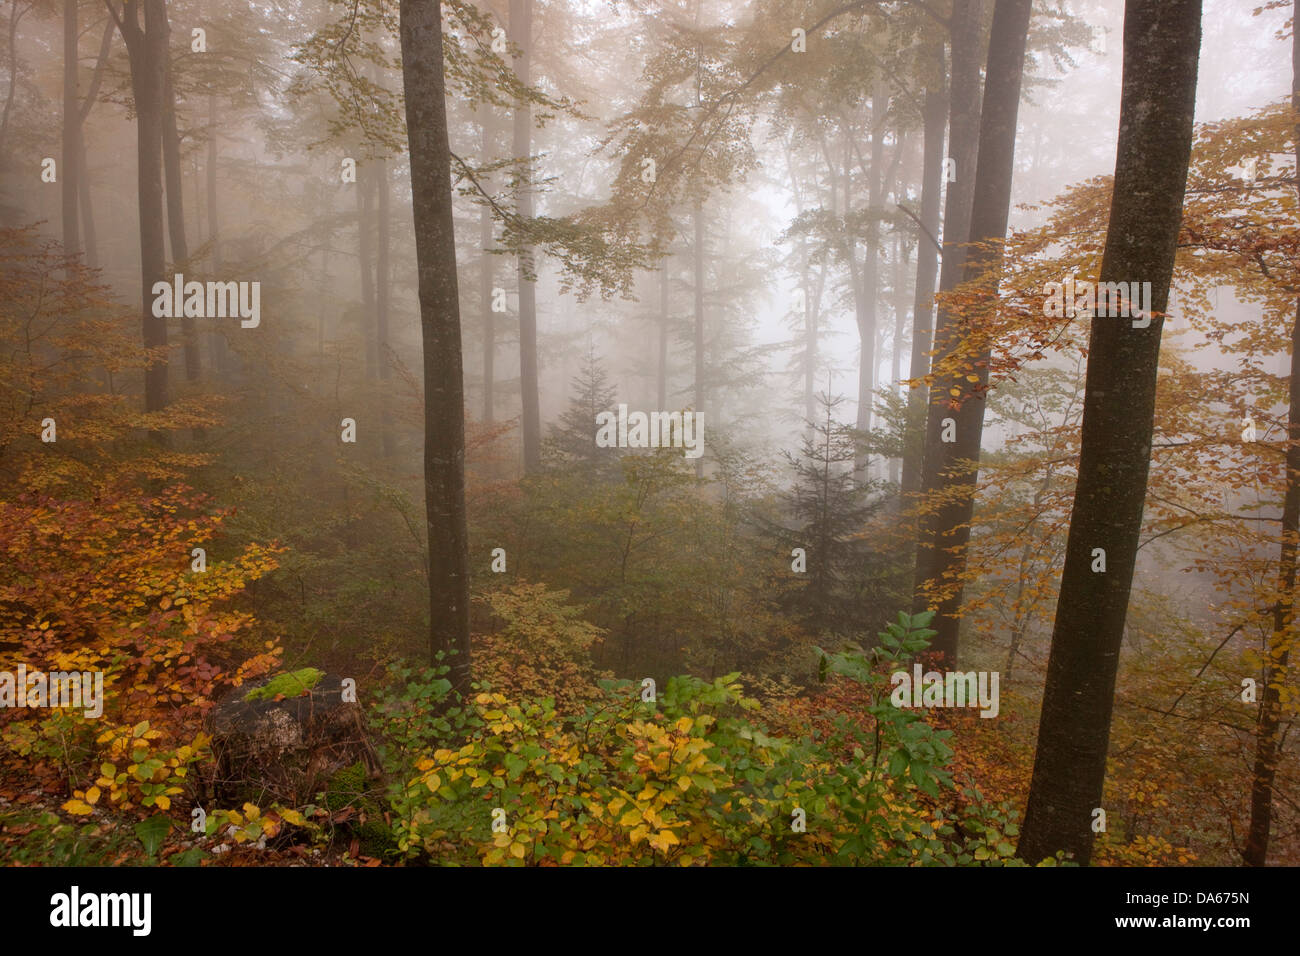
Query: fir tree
[(572, 441)]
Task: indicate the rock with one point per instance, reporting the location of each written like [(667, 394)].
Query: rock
[(283, 751)]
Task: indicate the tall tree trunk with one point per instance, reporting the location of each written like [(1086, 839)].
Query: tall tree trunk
[(71, 159), (927, 269), (1267, 744), (171, 146), (901, 255), (697, 253), (963, 150), (949, 468), (15, 14), (366, 253), (147, 50), (213, 209), (485, 282), (219, 357), (521, 30), (89, 238), (444, 395), (382, 289), (865, 280), (1161, 42), (661, 369)]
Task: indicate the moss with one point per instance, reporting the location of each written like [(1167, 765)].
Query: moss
[(349, 788), (290, 685)]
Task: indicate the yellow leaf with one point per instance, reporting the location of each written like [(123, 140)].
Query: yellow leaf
[(164, 803), (92, 795), (684, 783), (631, 818), (433, 782), (78, 807), (517, 850)]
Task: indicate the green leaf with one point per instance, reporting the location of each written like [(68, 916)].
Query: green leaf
[(152, 832)]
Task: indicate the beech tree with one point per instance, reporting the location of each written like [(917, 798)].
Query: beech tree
[(444, 403), (521, 27), (947, 471), (1161, 43), (147, 48), (1267, 739)]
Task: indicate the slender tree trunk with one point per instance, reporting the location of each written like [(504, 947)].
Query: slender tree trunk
[(444, 394), (963, 150), (199, 212), (15, 14), (175, 191), (147, 50), (697, 253), (1267, 744), (927, 269), (1161, 43), (661, 370), (220, 359), (951, 465), (366, 253), (382, 292), (485, 283), (213, 209), (90, 240), (901, 256), (89, 243), (865, 280), (521, 29), (70, 181)]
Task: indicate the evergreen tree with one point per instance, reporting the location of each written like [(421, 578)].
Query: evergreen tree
[(829, 511), (573, 439)]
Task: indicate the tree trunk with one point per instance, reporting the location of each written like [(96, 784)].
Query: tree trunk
[(661, 371), (927, 270), (1161, 43), (521, 30), (485, 283), (71, 158), (171, 146), (89, 239), (219, 358), (963, 149), (947, 471), (382, 290), (444, 397), (697, 253), (366, 253), (902, 253), (147, 50), (89, 242), (1267, 744)]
